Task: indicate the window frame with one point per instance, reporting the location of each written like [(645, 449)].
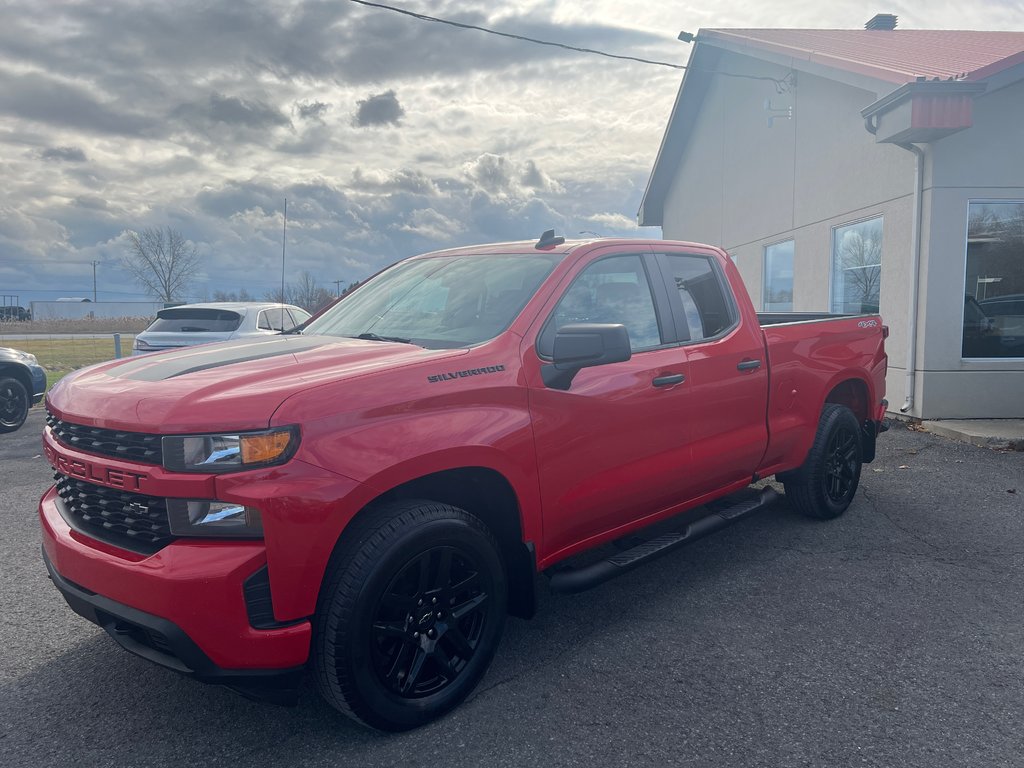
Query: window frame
[(832, 260), (963, 311), (764, 276), (666, 327)]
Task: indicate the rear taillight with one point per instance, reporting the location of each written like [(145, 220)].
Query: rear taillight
[(885, 331)]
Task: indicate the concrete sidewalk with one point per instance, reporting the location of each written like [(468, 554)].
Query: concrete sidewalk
[(988, 433)]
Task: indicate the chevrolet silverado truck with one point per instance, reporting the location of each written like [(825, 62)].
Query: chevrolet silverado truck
[(367, 498)]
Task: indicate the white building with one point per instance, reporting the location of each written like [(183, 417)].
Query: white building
[(864, 170)]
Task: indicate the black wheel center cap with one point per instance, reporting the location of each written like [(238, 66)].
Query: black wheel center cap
[(426, 620)]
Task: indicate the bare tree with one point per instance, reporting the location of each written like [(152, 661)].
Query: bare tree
[(162, 261), (306, 293), (860, 258), (241, 295)]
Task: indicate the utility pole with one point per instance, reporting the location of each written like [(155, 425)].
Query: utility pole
[(284, 242), (94, 263), (337, 286)]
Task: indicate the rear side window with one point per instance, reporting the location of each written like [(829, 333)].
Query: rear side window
[(705, 309), (195, 320), (272, 320)]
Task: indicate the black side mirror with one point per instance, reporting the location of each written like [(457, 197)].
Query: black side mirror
[(584, 345)]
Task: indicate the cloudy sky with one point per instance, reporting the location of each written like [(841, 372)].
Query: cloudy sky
[(388, 135)]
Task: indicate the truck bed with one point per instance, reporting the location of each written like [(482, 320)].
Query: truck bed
[(780, 318)]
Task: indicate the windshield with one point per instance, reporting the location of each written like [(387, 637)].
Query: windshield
[(443, 302), (195, 320)]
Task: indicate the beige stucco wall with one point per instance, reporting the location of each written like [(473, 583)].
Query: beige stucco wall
[(743, 185)]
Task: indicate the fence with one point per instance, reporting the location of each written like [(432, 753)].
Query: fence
[(62, 353)]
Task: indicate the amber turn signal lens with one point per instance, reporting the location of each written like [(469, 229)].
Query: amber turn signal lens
[(262, 449)]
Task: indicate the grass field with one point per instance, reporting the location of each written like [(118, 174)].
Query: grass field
[(61, 354)]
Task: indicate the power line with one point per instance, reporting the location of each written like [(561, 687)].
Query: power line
[(461, 25), (781, 85)]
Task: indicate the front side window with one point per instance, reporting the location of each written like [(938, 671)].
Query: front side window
[(994, 294), (611, 290), (857, 267), (778, 277)]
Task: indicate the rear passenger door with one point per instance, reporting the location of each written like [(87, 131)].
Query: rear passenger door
[(727, 371)]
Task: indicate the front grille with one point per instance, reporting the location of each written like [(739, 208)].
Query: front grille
[(128, 520), (130, 446)]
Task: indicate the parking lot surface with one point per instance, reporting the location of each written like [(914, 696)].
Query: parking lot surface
[(893, 636)]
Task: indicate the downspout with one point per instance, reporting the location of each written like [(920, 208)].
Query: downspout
[(871, 125), (915, 273)]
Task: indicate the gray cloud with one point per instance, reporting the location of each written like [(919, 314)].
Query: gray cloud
[(312, 110), (380, 109), (43, 99), (233, 111), (66, 154)]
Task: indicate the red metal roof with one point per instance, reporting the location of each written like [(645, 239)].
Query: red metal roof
[(897, 56)]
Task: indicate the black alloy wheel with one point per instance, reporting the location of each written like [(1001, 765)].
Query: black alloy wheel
[(824, 486), (409, 615), (841, 464), (429, 622), (14, 404)]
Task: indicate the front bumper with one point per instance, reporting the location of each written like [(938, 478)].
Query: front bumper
[(182, 607), (163, 642), (38, 374)]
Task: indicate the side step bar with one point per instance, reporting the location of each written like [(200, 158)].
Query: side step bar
[(724, 512)]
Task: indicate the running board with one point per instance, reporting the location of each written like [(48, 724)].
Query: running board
[(724, 512)]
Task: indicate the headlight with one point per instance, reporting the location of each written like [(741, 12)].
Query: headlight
[(229, 453), (141, 346), (29, 358), (213, 518)]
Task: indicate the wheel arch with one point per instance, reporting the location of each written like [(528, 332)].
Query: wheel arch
[(856, 394), (488, 495), (19, 373)]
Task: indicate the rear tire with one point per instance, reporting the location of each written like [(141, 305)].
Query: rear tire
[(825, 485), (14, 404), (410, 614)]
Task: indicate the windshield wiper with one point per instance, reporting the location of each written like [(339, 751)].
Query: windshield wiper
[(375, 337)]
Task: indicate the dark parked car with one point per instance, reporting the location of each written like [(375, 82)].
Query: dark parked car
[(14, 313), (22, 384)]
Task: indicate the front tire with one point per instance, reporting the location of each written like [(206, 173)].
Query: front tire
[(410, 614), (824, 486), (14, 404)]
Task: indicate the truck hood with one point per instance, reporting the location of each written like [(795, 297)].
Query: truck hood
[(233, 385)]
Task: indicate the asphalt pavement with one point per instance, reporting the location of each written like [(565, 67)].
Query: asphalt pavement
[(892, 636)]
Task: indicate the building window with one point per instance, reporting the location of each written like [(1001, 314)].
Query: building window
[(994, 285), (778, 277), (856, 266)]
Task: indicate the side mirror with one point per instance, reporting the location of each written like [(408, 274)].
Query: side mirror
[(584, 345)]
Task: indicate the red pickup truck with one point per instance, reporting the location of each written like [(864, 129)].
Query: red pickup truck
[(369, 496)]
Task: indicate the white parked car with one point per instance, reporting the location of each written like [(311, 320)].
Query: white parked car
[(192, 324)]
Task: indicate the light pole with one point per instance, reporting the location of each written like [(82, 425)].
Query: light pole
[(284, 242), (94, 263)]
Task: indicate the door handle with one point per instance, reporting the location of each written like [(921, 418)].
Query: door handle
[(669, 380), (748, 365)]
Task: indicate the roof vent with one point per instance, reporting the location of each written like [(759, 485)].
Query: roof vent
[(882, 21)]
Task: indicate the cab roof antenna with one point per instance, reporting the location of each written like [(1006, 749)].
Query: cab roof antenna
[(549, 240)]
